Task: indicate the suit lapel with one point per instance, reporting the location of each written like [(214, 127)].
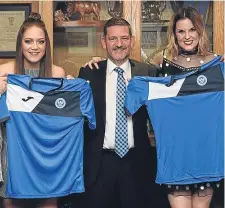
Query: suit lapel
[(134, 69), (138, 69), (102, 90)]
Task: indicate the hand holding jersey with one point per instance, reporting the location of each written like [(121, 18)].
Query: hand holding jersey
[(50, 145), (186, 111), (3, 82)]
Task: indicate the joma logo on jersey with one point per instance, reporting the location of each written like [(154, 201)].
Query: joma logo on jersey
[(201, 80), (60, 103), (26, 99)]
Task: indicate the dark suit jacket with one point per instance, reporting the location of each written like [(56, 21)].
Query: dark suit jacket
[(93, 140)]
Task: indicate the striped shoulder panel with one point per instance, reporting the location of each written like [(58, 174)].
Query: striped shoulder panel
[(56, 103), (209, 80)]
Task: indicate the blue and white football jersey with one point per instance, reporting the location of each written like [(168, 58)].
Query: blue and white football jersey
[(45, 135), (187, 114)]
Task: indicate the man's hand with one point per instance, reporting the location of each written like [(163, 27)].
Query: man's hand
[(3, 82), (222, 58), (94, 62)]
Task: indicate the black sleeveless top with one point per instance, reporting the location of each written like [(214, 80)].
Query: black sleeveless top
[(170, 68)]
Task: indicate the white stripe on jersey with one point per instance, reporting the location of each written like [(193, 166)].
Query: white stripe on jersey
[(157, 90), (15, 94)]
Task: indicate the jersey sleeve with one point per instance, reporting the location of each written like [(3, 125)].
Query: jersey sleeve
[(4, 113), (136, 95), (87, 105)]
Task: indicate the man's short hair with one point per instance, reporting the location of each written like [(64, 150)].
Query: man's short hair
[(116, 22)]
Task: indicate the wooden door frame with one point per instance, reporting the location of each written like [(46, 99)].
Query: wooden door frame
[(46, 12), (218, 27), (132, 13)]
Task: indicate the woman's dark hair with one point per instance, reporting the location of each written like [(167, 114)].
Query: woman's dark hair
[(197, 21), (46, 62)]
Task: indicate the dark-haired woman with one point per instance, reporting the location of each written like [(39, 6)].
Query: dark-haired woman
[(33, 57)]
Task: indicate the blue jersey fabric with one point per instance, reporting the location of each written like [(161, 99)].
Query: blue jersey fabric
[(45, 135), (187, 114)]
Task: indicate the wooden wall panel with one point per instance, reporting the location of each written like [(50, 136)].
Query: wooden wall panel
[(218, 27), (46, 11), (132, 13), (71, 59), (34, 4), (34, 8)]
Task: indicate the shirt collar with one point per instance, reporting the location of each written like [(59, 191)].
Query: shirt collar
[(111, 66)]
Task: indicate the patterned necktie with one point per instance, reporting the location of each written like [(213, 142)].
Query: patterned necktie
[(121, 131)]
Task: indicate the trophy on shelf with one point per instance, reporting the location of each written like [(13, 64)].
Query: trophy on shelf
[(152, 10), (176, 5), (115, 8), (77, 10)]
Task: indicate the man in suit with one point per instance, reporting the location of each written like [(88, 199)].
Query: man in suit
[(113, 179)]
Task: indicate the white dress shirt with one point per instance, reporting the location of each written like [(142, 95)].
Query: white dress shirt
[(111, 83)]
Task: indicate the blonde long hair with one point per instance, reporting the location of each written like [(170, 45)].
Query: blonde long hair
[(197, 21)]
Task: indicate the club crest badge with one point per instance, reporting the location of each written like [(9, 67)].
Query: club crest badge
[(60, 103), (201, 80)]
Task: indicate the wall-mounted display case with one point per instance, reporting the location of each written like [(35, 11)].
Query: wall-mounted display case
[(77, 32)]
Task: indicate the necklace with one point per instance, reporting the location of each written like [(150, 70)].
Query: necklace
[(188, 58), (192, 52)]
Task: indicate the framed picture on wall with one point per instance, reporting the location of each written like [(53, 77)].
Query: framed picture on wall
[(11, 18), (81, 40), (154, 37)]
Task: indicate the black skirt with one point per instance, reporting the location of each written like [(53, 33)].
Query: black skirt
[(201, 189)]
